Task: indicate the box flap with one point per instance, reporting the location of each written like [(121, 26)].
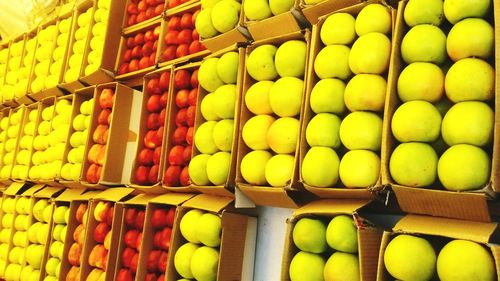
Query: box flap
[(114, 194), (172, 198), (207, 202), (69, 195), (332, 206), (89, 194), (48, 192), (141, 199), (14, 188), (458, 229), (32, 190)]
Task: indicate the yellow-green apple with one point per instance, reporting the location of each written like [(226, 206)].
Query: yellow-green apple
[(207, 108), (283, 135), (309, 235), (285, 96), (188, 225), (421, 81), (32, 232), (227, 67), (13, 271), (370, 53), (461, 260), (306, 266), (320, 167), (204, 139), (413, 164), (208, 229), (51, 265), (56, 231), (47, 213), (20, 238), (255, 131), (182, 259), (253, 167), (464, 167), (456, 10), (361, 130), (223, 134), (290, 59), (373, 18), (260, 63), (323, 66), (206, 4), (204, 263), (218, 167), (342, 234), (25, 273), (198, 169), (34, 254), (469, 122), (224, 100), (225, 15), (424, 12), (416, 121), (327, 96), (470, 37), (424, 43), (207, 74), (409, 257), (7, 220), (470, 79), (323, 130), (359, 168), (56, 248), (101, 210), (257, 98), (365, 92), (21, 205), (338, 29), (43, 233), (38, 209), (342, 264), (257, 9), (279, 169)]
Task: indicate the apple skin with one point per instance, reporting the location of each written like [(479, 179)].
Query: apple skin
[(171, 176), (159, 218), (127, 256), (106, 98), (130, 238), (124, 275), (100, 232), (101, 210), (74, 254), (130, 216), (139, 221), (182, 79), (79, 234)]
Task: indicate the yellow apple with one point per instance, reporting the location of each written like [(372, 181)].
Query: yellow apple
[(413, 164), (416, 121), (323, 130), (309, 234), (306, 267), (424, 12), (342, 234), (359, 168), (182, 259), (283, 134), (227, 67), (456, 10), (327, 96), (366, 92), (361, 130), (338, 29), (257, 9), (255, 132), (323, 66), (188, 225), (198, 169), (209, 229), (223, 134), (373, 18), (253, 167), (285, 96), (421, 81), (204, 263), (207, 74), (424, 43), (203, 138), (342, 264), (279, 169), (204, 24), (470, 37), (225, 15), (257, 98), (224, 101), (470, 79), (290, 58), (260, 63), (370, 53)]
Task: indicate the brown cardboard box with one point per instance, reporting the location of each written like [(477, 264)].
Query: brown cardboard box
[(286, 196), (368, 236), (226, 189), (449, 229), (112, 195), (121, 136), (426, 201), (19, 38), (314, 11), (20, 110), (236, 251), (339, 190)]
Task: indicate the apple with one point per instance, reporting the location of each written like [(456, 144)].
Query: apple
[(127, 256), (189, 135), (323, 129), (82, 208), (325, 69), (100, 232), (470, 37), (377, 62), (204, 263), (79, 233), (411, 84), (134, 262), (257, 10), (130, 238), (470, 79), (207, 75), (179, 135), (182, 259), (208, 230), (255, 132), (101, 210), (368, 123), (257, 98), (253, 165), (413, 164), (373, 18), (204, 138), (152, 261), (342, 264), (367, 166), (225, 15), (217, 168), (204, 24), (285, 96), (282, 135), (207, 108), (424, 43), (279, 169), (338, 28), (145, 156), (124, 275), (139, 222), (106, 98), (319, 167), (306, 266), (366, 92), (153, 104), (189, 223), (171, 176), (309, 235), (164, 82), (141, 174), (260, 63), (424, 12), (342, 234), (455, 11)]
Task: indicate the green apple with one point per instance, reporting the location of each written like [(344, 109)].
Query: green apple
[(51, 265), (366, 92), (456, 10), (55, 248), (469, 122), (290, 59), (206, 4), (320, 167), (223, 134), (413, 164), (338, 29), (285, 96), (342, 234), (56, 232), (470, 79), (255, 131), (309, 234), (416, 121), (207, 73), (257, 9), (182, 259), (198, 169), (464, 167), (257, 98), (224, 101), (209, 229), (342, 264), (421, 81), (279, 169), (188, 225), (361, 130), (424, 12), (373, 18), (227, 67), (306, 267), (424, 43), (283, 135), (225, 15), (260, 63), (203, 138), (470, 37), (323, 66), (370, 53), (359, 168), (253, 166), (34, 255), (461, 260), (218, 167), (207, 108), (327, 96), (409, 257), (205, 263), (323, 130)]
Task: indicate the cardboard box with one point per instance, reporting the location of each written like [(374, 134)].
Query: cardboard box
[(237, 247), (368, 235), (155, 187), (227, 189), (4, 46), (20, 39), (121, 137), (112, 195), (434, 200), (5, 178), (22, 97), (289, 195), (480, 232), (312, 12)]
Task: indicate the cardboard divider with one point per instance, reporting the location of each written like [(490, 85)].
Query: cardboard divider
[(434, 200), (312, 12), (29, 108)]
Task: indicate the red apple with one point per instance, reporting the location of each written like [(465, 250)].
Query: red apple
[(187, 21), (179, 136), (124, 275), (162, 262), (93, 173), (149, 36), (138, 242), (139, 221), (171, 176), (187, 153), (142, 5), (150, 12), (100, 232), (150, 277), (139, 39), (136, 52), (194, 81), (185, 36), (174, 23), (181, 98), (130, 215), (184, 177), (164, 82), (100, 134), (162, 116), (153, 104), (190, 115), (103, 117), (152, 87), (189, 135), (141, 175), (169, 53), (109, 216), (76, 234), (170, 217), (173, 3), (152, 262), (107, 98), (161, 278), (195, 47), (130, 42), (134, 263), (127, 256), (159, 218), (152, 59), (195, 35), (182, 79), (182, 50), (158, 9), (157, 155), (164, 99), (171, 37), (151, 2), (132, 9), (74, 254), (159, 135), (141, 17), (153, 174), (175, 157), (132, 19), (143, 62), (127, 55), (130, 238), (145, 157), (153, 121), (133, 65), (180, 118), (82, 208), (166, 234), (193, 96), (157, 239), (123, 69), (147, 48)]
